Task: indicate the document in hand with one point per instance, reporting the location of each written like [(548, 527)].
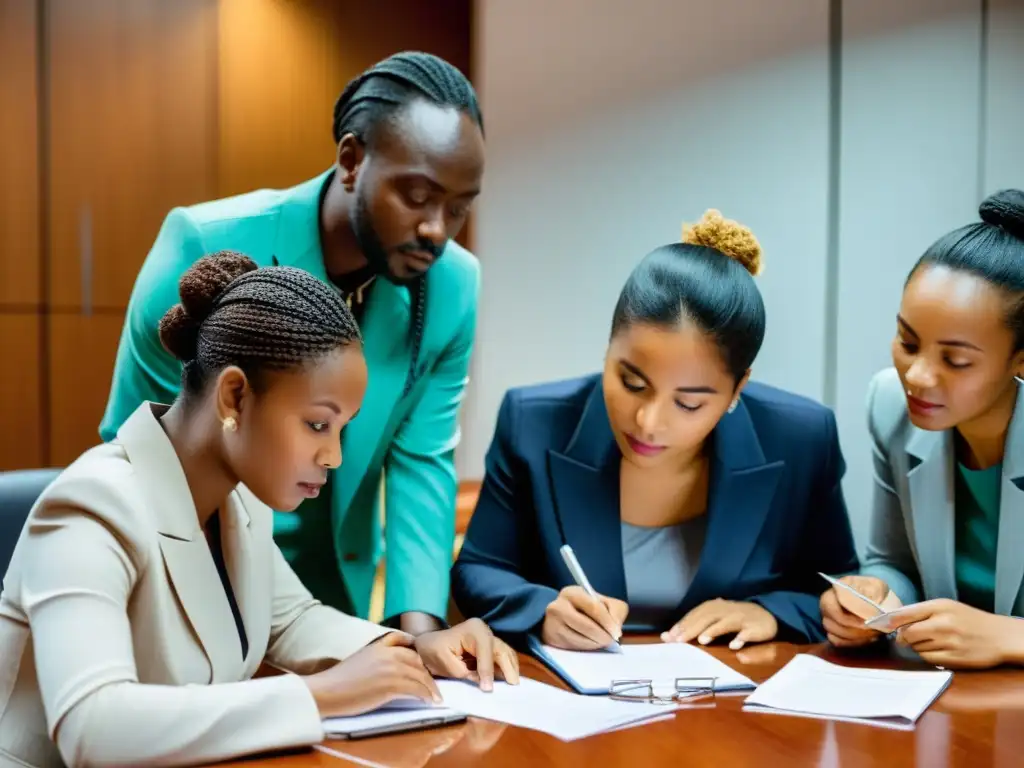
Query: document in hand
[(812, 687), (545, 708), (592, 672)]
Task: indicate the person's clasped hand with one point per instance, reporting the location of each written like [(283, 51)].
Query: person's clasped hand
[(749, 622), (576, 621), (843, 615)]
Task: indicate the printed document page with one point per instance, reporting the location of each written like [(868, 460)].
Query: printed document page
[(813, 687)]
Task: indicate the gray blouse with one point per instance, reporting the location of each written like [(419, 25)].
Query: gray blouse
[(660, 564)]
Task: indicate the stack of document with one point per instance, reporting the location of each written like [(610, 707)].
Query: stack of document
[(530, 704), (812, 687), (592, 672)]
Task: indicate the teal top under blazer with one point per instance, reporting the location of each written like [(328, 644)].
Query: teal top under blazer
[(411, 438)]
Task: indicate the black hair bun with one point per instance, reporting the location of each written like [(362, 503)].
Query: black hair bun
[(199, 288), (1005, 209)]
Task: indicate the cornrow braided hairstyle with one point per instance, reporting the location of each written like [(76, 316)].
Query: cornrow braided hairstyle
[(376, 96), (232, 313)]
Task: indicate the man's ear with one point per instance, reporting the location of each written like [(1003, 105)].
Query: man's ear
[(351, 153)]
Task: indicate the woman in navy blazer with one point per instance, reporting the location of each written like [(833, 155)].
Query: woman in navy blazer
[(693, 510)]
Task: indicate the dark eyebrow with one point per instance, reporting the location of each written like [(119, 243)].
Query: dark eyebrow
[(688, 390), (437, 186), (906, 326), (944, 342)]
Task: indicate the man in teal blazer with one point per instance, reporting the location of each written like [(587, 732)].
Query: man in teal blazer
[(379, 226)]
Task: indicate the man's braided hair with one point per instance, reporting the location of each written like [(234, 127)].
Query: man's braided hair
[(232, 313), (376, 96)]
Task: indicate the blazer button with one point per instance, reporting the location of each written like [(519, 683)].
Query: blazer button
[(350, 557)]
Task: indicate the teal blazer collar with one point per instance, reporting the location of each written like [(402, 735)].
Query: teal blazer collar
[(385, 331), (298, 228)]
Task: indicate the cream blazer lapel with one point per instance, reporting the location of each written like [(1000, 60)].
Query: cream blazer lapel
[(185, 550), (251, 580)]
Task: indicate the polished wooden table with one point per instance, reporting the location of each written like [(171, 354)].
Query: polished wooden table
[(978, 722)]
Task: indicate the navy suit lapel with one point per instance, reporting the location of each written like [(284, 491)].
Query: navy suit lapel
[(741, 489), (585, 488)]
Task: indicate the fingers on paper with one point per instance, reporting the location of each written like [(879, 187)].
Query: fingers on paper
[(726, 625), (508, 662), (694, 623), (480, 642)]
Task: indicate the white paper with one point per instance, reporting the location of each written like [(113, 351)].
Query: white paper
[(813, 687), (544, 708), (661, 663)]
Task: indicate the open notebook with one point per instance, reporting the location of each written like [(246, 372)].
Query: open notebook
[(592, 672), (812, 687)]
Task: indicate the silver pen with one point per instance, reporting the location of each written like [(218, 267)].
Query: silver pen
[(582, 581)]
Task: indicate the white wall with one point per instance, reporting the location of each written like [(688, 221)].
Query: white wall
[(908, 173), (606, 129), (1004, 97), (609, 123)]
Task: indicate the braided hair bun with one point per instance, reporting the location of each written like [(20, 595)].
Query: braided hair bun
[(199, 288), (1005, 209), (727, 237)]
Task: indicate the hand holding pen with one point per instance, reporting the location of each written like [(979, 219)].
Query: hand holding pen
[(580, 619)]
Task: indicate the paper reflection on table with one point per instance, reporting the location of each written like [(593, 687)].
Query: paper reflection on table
[(414, 750)]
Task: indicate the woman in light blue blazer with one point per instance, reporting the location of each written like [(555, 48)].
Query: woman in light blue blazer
[(948, 431)]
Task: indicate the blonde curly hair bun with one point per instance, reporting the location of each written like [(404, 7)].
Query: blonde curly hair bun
[(728, 237)]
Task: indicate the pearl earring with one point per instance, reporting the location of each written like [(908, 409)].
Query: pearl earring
[(732, 405), (229, 424)]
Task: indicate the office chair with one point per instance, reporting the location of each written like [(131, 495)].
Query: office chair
[(18, 492)]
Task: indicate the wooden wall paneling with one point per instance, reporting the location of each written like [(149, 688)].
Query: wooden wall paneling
[(19, 170), (132, 134), (21, 444), (81, 363), (283, 65)]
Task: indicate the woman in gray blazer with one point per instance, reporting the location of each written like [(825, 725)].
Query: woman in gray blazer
[(146, 588), (948, 431)]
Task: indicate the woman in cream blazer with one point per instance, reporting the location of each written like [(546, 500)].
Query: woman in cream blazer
[(947, 423), (146, 588)]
